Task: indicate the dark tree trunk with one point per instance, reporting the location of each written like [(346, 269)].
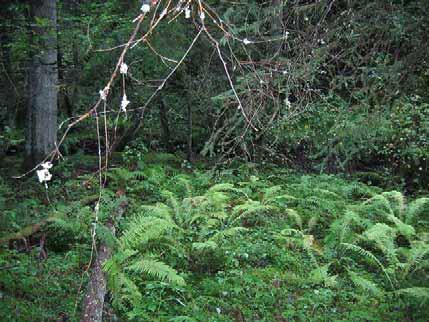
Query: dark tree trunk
[(277, 23), (165, 128), (41, 129), (10, 91), (189, 145)]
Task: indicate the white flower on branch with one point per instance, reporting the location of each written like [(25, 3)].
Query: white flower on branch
[(246, 41), (47, 165), (187, 13), (124, 69), (124, 103), (103, 93), (202, 15), (145, 8), (44, 175), (163, 13)]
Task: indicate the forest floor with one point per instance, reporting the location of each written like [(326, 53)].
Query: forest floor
[(248, 243)]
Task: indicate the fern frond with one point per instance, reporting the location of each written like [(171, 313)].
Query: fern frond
[(252, 207), (222, 187), (418, 251), (122, 288), (321, 275), (159, 210), (383, 236), (182, 318), (419, 293), (296, 217), (397, 202), (365, 284), (417, 209), (368, 255), (156, 269), (210, 244), (271, 193), (144, 229), (404, 229), (377, 208), (230, 232)]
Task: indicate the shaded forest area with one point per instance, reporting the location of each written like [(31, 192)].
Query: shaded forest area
[(214, 160)]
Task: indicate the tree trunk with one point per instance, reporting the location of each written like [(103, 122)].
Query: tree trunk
[(189, 145), (41, 129), (10, 93), (277, 23), (165, 128), (93, 303)]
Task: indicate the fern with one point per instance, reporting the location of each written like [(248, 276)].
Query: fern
[(397, 202), (210, 245), (366, 285), (415, 257), (418, 293), (383, 236), (123, 289), (156, 269), (296, 217), (252, 207), (369, 256), (416, 211), (144, 229), (321, 275), (404, 229)]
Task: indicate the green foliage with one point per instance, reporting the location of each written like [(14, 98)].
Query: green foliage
[(309, 231), (332, 86), (336, 135), (214, 245)]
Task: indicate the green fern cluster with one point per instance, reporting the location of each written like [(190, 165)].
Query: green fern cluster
[(386, 232), (178, 231)]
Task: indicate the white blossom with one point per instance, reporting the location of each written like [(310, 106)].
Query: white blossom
[(124, 69), (44, 175), (47, 165), (202, 15), (246, 41), (145, 8), (124, 103), (187, 13), (103, 93), (163, 13)]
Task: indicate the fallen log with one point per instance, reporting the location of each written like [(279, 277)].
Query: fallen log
[(93, 303), (33, 229), (27, 231)]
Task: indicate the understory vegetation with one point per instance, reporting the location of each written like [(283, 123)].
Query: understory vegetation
[(211, 161), (239, 244)]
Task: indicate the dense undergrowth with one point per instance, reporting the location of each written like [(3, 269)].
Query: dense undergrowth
[(238, 244)]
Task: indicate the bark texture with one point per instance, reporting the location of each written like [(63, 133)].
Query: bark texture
[(97, 288), (165, 128), (41, 131), (93, 304)]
